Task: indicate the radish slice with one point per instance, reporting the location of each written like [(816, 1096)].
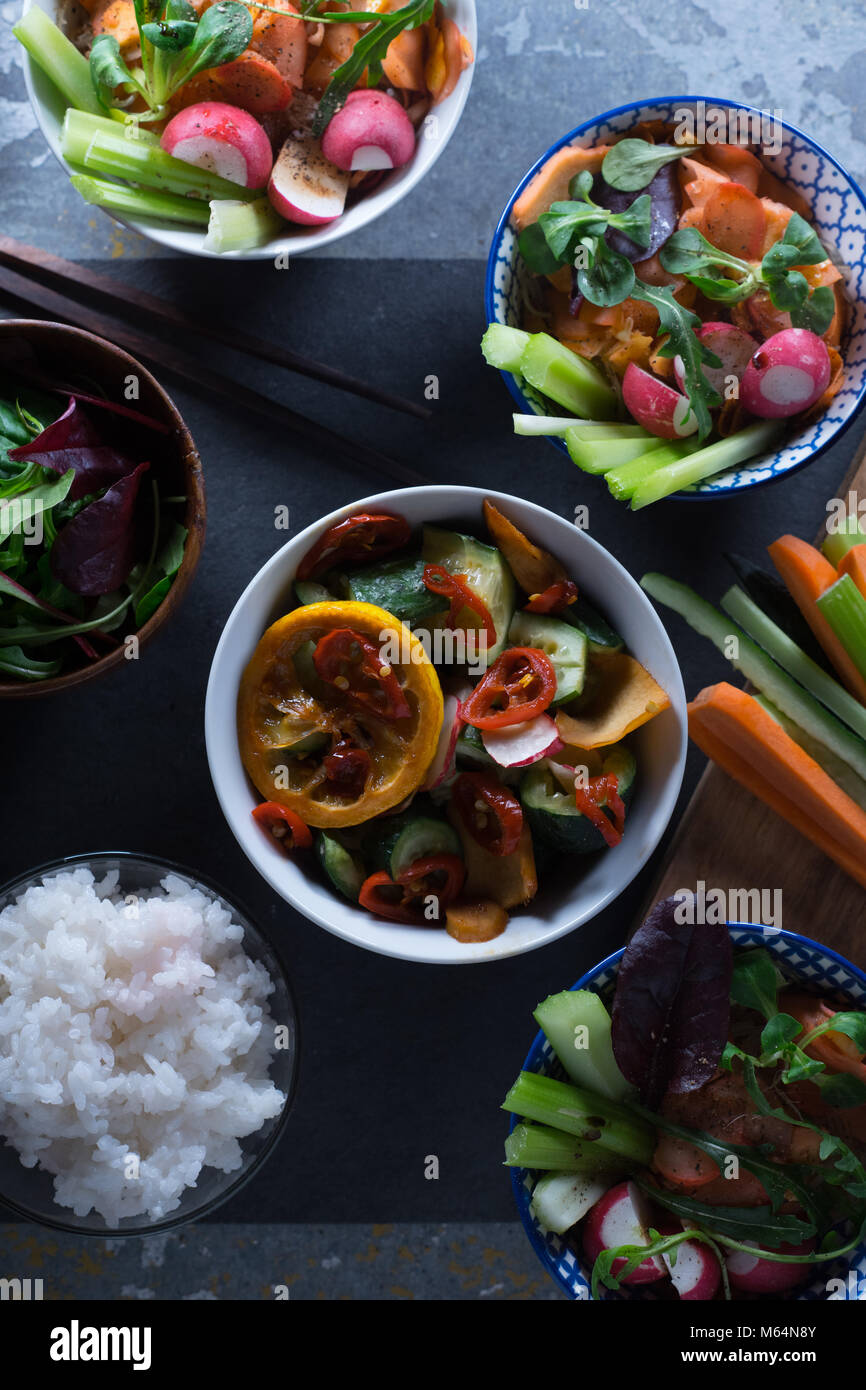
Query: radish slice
[(752, 1275), (370, 131), (663, 411), (696, 1274), (304, 187), (787, 374), (622, 1217), (733, 346), (518, 745), (216, 136), (445, 756)]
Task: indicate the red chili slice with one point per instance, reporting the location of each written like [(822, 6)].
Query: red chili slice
[(354, 664), (405, 899), (555, 599), (493, 817), (347, 768), (282, 825), (519, 685), (454, 587), (598, 797), (365, 536)]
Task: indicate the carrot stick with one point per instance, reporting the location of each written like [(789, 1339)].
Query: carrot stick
[(853, 562), (731, 728), (807, 573)]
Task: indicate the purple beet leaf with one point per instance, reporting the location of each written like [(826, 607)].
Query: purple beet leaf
[(95, 551), (73, 441)]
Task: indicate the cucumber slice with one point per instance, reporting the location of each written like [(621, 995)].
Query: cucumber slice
[(551, 810), (471, 747), (566, 378), (560, 1200), (308, 591), (485, 571), (598, 632), (563, 643), (397, 586), (577, 1026), (346, 871), (791, 698), (411, 837), (503, 347)]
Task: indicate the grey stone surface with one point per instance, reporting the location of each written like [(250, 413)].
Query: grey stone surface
[(543, 66)]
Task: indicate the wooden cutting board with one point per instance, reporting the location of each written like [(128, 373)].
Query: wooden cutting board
[(730, 839)]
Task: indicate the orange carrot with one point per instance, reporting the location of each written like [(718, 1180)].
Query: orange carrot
[(550, 184), (251, 82), (692, 217), (737, 164), (734, 220), (746, 742), (771, 187), (807, 573), (853, 562), (282, 39), (450, 52), (117, 18), (698, 180)]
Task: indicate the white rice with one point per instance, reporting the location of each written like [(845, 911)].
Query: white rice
[(129, 1030)]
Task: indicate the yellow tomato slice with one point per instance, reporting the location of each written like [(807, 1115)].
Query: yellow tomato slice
[(288, 717)]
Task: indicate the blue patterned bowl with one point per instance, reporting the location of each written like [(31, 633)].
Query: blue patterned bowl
[(803, 962), (839, 214)]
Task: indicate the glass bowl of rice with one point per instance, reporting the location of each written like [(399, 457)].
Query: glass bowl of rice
[(148, 1045)]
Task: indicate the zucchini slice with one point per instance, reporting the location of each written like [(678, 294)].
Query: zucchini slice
[(551, 810), (409, 838), (598, 632), (564, 644), (345, 870), (397, 586), (485, 573)]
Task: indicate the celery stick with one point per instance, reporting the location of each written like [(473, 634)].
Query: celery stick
[(837, 543), (560, 1200), (758, 668), (727, 453), (603, 455), (108, 151), (577, 1026), (58, 58), (583, 1113), (534, 425), (622, 481), (79, 128), (834, 767), (503, 346), (238, 226), (134, 202), (539, 1146), (593, 429), (566, 378), (794, 660), (844, 607)]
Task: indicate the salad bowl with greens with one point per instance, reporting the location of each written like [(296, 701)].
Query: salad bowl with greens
[(102, 511)]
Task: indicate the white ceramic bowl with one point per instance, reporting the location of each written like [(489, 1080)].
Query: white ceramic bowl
[(50, 108), (564, 901)]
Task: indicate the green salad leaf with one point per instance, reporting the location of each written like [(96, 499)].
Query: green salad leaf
[(632, 164)]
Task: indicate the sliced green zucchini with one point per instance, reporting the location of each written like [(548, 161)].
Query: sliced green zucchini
[(485, 572), (598, 632), (401, 841), (397, 586), (563, 643), (345, 870), (552, 812)]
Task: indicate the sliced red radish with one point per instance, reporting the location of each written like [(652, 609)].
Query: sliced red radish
[(305, 187), (655, 405), (222, 138), (751, 1275), (371, 131), (518, 745), (444, 758), (733, 346), (787, 374), (696, 1273), (622, 1217)]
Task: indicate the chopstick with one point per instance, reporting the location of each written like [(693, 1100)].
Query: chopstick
[(117, 298), (166, 358)]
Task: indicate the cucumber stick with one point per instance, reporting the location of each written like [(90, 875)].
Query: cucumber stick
[(794, 660), (834, 767), (760, 669), (577, 1025), (560, 1200)]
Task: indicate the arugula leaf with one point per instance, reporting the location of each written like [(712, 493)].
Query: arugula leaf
[(15, 662), (762, 1225), (167, 564), (370, 49), (634, 1255), (682, 326), (632, 164), (108, 71)]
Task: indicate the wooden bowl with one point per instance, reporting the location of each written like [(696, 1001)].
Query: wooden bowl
[(75, 357)]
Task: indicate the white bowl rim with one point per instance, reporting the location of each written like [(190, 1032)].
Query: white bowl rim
[(374, 206), (567, 139), (259, 852)]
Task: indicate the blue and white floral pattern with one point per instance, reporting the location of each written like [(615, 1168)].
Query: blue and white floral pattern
[(839, 215), (800, 960)]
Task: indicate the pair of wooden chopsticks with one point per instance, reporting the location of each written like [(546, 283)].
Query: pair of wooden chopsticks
[(38, 281)]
